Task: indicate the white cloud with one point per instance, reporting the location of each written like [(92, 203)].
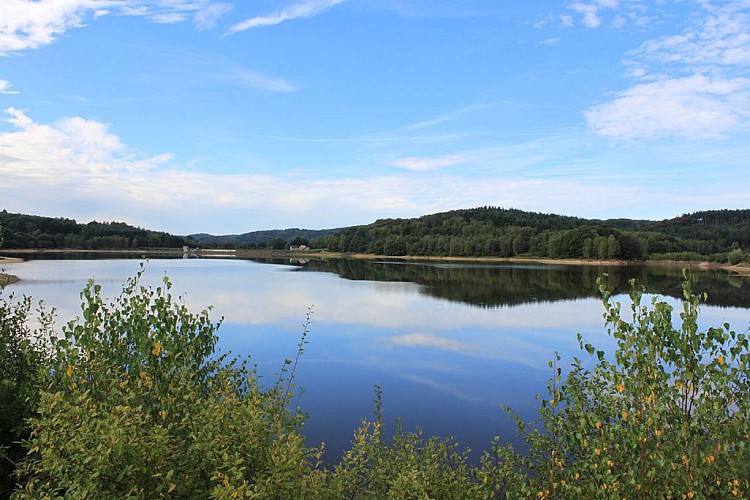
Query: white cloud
[(5, 88), (549, 41), (718, 37), (592, 13), (79, 168), (69, 151), (428, 340), (699, 89), (259, 80), (306, 8), (694, 107), (30, 24), (423, 164), (208, 17), (168, 18)]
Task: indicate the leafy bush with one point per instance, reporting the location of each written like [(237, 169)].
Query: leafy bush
[(668, 416), (736, 256), (407, 466), (20, 358), (136, 404), (678, 256)]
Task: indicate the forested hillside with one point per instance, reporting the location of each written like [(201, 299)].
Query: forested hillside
[(716, 235), (32, 231), (488, 231), (272, 238)]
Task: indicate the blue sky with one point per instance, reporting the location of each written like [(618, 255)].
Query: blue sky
[(225, 117)]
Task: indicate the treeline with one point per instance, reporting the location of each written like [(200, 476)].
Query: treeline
[(722, 236), (272, 238), (32, 231)]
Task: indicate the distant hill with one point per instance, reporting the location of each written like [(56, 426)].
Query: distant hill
[(718, 235), (263, 238), (713, 235), (22, 231)]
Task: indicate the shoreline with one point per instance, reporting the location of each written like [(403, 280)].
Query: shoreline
[(738, 269), (5, 278)]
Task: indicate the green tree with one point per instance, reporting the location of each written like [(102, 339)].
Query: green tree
[(613, 247)]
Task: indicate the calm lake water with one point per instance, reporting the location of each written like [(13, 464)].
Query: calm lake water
[(448, 343)]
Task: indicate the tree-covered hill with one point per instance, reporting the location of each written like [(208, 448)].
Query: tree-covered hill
[(21, 231), (280, 238), (722, 235), (715, 235)]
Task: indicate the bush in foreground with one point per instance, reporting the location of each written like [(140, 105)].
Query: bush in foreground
[(668, 416), (135, 404), (21, 356)]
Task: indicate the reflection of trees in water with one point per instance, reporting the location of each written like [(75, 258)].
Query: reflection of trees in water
[(487, 285)]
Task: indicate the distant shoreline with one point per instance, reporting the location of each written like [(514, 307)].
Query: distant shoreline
[(740, 269)]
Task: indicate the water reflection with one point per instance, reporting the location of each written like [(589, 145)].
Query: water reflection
[(493, 285), (448, 343)]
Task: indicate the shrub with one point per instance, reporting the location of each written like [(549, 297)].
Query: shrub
[(736, 256), (20, 359), (135, 403), (407, 466), (678, 256), (667, 416)]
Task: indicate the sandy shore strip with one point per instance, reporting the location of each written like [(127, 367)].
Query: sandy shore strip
[(9, 260), (740, 269)]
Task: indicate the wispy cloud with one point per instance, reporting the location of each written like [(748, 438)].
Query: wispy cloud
[(7, 88), (208, 17), (549, 41), (30, 24), (691, 84), (694, 107), (622, 13), (258, 80), (718, 36), (423, 164), (447, 117), (590, 13), (428, 340), (306, 8)]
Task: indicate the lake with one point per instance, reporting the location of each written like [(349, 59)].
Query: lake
[(447, 342)]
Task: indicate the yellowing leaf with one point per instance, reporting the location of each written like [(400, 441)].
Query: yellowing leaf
[(157, 348), (620, 387), (625, 414), (70, 370)]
